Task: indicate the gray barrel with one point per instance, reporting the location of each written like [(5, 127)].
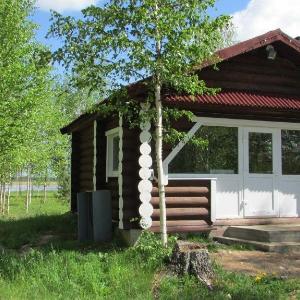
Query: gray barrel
[(85, 216), (102, 216)]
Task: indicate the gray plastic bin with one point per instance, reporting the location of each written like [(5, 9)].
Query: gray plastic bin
[(94, 216), (85, 216), (102, 216)]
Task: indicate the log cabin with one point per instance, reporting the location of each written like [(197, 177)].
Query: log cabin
[(247, 173)]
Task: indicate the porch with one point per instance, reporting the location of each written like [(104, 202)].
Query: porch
[(253, 168)]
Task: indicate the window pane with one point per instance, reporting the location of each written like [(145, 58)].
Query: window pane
[(260, 153), (290, 152), (115, 162), (216, 152)]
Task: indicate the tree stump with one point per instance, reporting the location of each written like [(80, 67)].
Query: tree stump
[(193, 259)]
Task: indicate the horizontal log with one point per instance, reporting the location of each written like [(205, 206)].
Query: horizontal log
[(182, 201), (254, 69), (87, 151), (178, 229), (180, 212), (83, 181), (182, 223), (253, 86), (261, 62), (86, 172), (256, 77), (180, 190), (89, 139), (87, 160)]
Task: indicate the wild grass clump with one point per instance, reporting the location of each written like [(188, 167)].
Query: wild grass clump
[(151, 251)]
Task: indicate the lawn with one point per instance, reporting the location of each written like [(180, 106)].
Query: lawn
[(41, 259)]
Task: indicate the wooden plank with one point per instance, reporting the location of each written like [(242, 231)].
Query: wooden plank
[(182, 201), (178, 229), (179, 212), (179, 190), (182, 223)]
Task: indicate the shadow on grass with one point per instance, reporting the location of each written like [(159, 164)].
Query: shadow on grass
[(47, 232)]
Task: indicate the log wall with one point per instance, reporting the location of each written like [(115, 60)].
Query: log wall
[(81, 162), (188, 206), (254, 72)]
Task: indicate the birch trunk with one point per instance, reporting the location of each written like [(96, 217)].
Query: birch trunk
[(159, 162), (4, 199), (27, 192), (20, 183), (45, 193), (159, 139), (8, 199), (1, 198), (30, 188), (45, 188)]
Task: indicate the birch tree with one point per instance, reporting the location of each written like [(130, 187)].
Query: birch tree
[(158, 42)]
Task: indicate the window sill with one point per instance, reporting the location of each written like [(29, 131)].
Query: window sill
[(113, 175)]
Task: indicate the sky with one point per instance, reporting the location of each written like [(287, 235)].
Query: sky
[(250, 17)]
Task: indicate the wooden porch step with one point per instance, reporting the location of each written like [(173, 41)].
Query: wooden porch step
[(268, 247), (266, 233)]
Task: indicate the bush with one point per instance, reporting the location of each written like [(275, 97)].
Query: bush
[(151, 250)]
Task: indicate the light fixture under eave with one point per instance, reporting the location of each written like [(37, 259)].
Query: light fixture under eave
[(272, 53)]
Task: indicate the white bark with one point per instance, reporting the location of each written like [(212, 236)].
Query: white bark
[(4, 199), (20, 183), (28, 188), (45, 193), (159, 162), (8, 200), (45, 188), (159, 143), (1, 198)]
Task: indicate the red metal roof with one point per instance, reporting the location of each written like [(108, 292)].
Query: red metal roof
[(255, 43), (259, 41), (239, 99)]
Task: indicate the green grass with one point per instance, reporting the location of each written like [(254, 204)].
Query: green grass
[(65, 269)]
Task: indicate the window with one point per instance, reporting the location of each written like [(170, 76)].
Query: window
[(290, 140), (112, 156), (260, 153), (212, 150)]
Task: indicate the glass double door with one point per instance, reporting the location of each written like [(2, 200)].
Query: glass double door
[(261, 170)]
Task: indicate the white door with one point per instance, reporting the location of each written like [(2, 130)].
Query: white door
[(260, 170)]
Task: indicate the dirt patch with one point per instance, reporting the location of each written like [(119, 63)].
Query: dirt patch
[(255, 262), (45, 239)]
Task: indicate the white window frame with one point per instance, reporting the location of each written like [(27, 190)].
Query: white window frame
[(110, 135)]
